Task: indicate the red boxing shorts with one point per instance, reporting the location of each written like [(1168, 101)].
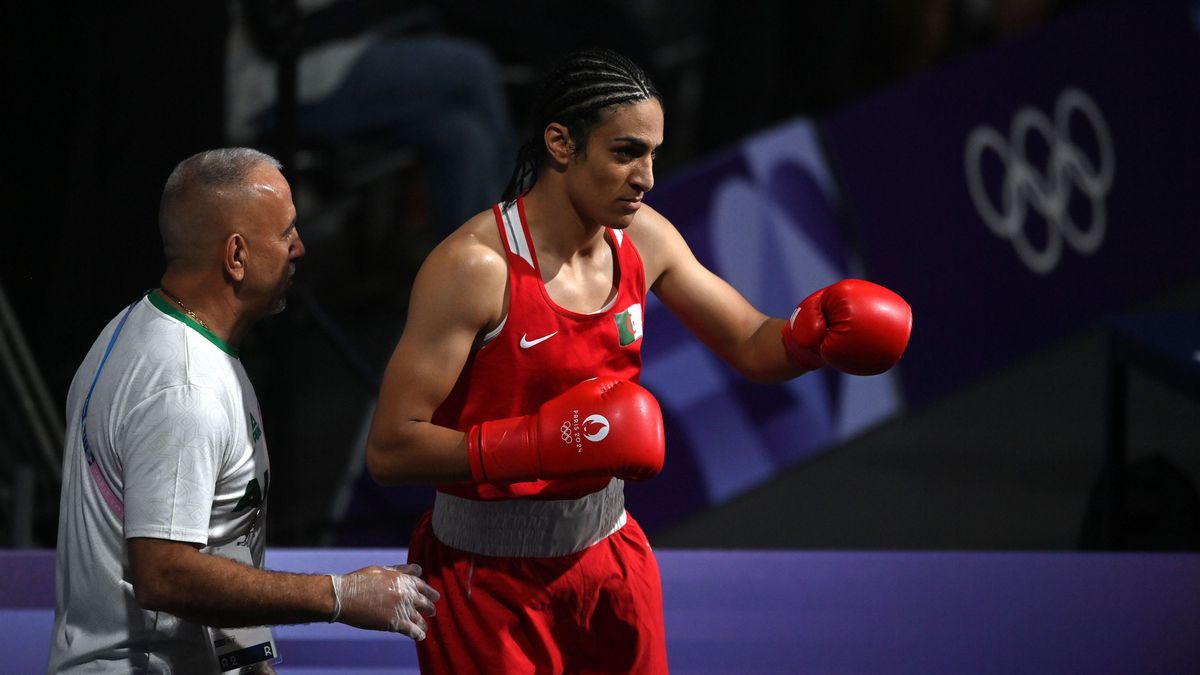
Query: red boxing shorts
[(595, 611)]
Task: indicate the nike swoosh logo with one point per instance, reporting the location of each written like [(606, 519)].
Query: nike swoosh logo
[(526, 344)]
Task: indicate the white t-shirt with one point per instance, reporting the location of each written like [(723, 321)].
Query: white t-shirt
[(176, 432)]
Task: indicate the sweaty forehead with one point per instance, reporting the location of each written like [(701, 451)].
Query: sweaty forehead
[(271, 198), (266, 180)]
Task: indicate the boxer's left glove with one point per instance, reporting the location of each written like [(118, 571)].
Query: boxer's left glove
[(854, 326), (600, 427)]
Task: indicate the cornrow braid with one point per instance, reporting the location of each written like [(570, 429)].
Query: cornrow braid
[(573, 94)]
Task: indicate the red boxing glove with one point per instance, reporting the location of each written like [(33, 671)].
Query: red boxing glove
[(854, 326), (601, 427)]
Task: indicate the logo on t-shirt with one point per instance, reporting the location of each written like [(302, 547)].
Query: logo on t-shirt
[(526, 343), (629, 324), (255, 429), (254, 495)]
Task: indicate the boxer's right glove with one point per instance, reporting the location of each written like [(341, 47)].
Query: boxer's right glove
[(854, 326), (600, 427)]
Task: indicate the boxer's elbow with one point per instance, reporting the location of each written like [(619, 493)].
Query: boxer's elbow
[(393, 458)]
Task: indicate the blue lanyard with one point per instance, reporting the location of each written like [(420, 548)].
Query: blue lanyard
[(106, 490)]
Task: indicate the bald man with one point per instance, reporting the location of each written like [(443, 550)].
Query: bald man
[(165, 470)]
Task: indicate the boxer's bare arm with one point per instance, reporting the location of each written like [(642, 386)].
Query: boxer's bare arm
[(458, 294), (712, 309)]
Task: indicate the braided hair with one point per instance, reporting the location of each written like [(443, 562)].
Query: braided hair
[(573, 94)]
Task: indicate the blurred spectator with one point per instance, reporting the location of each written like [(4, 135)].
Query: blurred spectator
[(365, 76)]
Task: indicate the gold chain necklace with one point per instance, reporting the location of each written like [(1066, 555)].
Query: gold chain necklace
[(186, 310)]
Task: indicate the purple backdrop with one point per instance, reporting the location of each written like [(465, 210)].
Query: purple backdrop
[(1023, 192), (762, 217)]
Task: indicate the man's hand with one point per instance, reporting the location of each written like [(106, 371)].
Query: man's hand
[(391, 598)]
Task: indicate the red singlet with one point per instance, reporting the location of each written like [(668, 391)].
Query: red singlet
[(542, 349)]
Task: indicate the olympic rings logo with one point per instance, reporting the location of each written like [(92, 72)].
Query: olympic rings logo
[(565, 431), (1048, 193)]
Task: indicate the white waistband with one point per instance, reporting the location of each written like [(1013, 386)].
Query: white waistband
[(529, 528)]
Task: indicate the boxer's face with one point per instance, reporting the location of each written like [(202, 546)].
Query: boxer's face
[(607, 180)]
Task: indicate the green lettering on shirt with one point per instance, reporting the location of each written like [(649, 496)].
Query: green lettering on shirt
[(255, 430), (253, 498)]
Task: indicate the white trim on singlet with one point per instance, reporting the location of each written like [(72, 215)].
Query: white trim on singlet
[(608, 305), (491, 335), (515, 233), (514, 239)]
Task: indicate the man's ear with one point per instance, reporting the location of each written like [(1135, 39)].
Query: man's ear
[(559, 146), (236, 256)]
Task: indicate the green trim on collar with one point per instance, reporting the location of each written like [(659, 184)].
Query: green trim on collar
[(167, 307)]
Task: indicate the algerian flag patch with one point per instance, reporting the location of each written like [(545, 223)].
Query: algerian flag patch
[(629, 324)]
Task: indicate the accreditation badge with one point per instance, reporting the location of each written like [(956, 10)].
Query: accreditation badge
[(242, 650)]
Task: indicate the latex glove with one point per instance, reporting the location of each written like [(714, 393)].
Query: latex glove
[(391, 598)]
